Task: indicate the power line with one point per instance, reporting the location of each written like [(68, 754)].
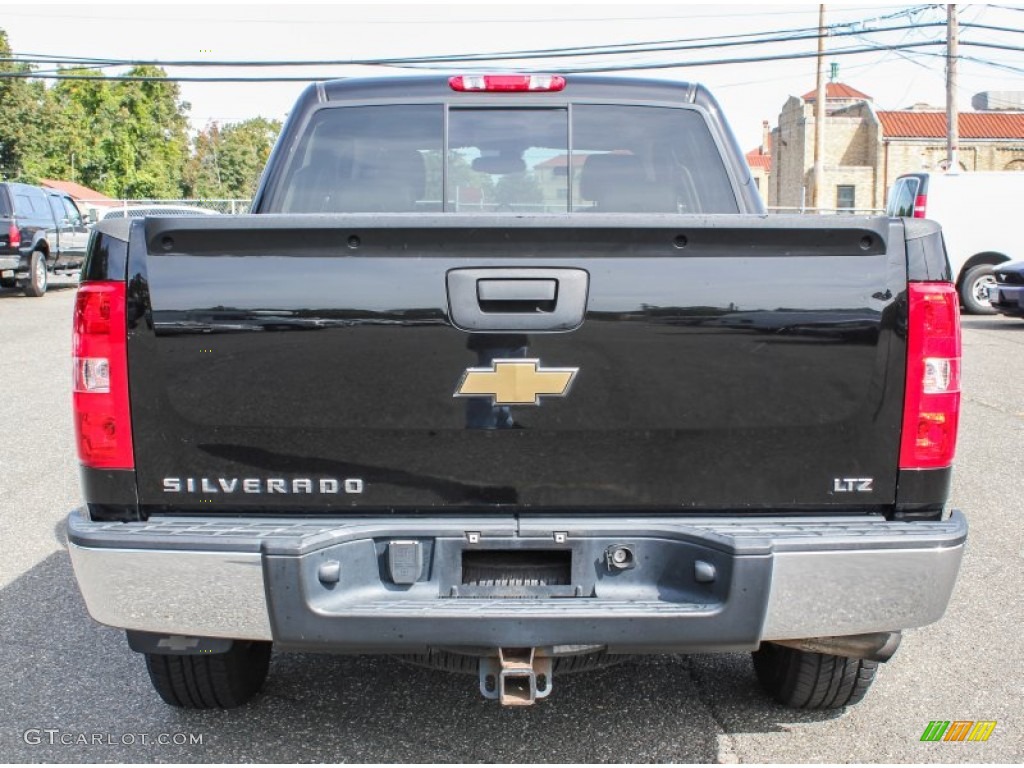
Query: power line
[(990, 63), (49, 58), (575, 19), (664, 46), (667, 46), (996, 46), (428, 65)]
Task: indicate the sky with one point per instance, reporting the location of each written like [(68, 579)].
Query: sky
[(748, 92)]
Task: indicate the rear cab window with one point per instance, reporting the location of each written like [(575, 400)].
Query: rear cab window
[(902, 197), (24, 206), (71, 211), (40, 204), (578, 158), (57, 208), (32, 203)]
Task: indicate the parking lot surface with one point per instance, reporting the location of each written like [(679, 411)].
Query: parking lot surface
[(70, 690)]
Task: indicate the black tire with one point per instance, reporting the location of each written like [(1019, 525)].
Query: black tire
[(211, 681), (38, 277), (8, 282), (972, 290), (805, 680)]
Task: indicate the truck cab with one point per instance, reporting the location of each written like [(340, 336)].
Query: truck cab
[(42, 232)]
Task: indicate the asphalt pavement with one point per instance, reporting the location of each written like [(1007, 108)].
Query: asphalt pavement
[(72, 691)]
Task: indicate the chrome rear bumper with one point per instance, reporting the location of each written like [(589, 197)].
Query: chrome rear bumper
[(261, 579)]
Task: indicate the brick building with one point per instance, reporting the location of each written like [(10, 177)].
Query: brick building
[(866, 149)]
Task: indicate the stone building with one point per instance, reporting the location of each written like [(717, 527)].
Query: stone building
[(760, 160), (867, 149)]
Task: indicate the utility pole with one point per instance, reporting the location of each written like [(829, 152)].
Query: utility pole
[(952, 110), (818, 200)]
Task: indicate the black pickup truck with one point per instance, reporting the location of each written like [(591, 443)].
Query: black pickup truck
[(512, 375), (41, 232)]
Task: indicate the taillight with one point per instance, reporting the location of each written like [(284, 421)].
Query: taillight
[(14, 236), (103, 427), (920, 206), (507, 83), (931, 406)]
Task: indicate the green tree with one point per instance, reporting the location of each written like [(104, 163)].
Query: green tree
[(516, 189), (202, 172), (227, 162), (147, 145), (463, 182), (21, 112), (123, 138), (78, 115)]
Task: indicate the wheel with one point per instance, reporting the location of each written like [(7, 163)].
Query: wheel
[(805, 680), (217, 680), (974, 290), (38, 277), (7, 282)]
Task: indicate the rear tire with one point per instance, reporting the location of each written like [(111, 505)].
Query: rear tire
[(805, 680), (38, 277), (974, 290), (216, 680)]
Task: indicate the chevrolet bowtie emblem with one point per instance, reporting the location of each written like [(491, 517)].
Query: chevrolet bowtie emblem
[(517, 381)]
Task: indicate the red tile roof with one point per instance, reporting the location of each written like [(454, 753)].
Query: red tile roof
[(559, 161), (973, 125), (77, 191), (836, 91), (578, 159), (756, 160)]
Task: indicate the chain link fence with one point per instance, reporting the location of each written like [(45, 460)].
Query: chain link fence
[(826, 211), (97, 210)]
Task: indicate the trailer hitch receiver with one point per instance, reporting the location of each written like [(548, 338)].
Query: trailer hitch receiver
[(516, 677)]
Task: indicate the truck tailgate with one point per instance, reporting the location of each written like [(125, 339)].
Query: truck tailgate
[(310, 363)]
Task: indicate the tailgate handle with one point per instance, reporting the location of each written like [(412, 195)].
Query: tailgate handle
[(533, 294), (496, 299)]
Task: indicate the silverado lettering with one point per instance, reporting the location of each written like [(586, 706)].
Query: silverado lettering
[(324, 485), (415, 238)]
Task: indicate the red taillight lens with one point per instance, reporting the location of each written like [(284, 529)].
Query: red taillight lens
[(507, 83), (13, 236), (931, 406), (103, 427), (920, 206)]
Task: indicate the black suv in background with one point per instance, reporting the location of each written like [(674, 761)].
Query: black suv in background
[(41, 232)]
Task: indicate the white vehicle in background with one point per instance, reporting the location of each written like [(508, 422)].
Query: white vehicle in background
[(978, 212), (140, 211)]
